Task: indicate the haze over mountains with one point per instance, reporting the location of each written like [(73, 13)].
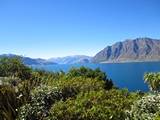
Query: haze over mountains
[(130, 50), (75, 59)]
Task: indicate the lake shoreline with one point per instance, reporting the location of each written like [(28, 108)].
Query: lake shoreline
[(132, 61)]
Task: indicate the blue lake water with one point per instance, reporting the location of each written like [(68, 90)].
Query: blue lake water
[(124, 75)]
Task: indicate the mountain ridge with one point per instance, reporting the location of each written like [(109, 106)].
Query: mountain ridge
[(74, 59), (130, 50), (28, 60)]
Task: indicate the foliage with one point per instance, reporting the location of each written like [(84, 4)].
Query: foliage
[(63, 88), (12, 81), (146, 108), (72, 86), (157, 116), (8, 103), (94, 105), (12, 97), (82, 93), (14, 67), (41, 100), (153, 80), (89, 73), (14, 90)]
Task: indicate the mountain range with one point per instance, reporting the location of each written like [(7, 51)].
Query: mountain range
[(75, 59), (130, 50), (28, 60)]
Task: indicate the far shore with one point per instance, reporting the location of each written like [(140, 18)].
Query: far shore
[(130, 61)]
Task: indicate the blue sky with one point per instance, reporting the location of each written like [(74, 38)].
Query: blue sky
[(53, 28)]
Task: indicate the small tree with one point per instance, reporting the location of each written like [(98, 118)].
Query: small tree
[(153, 81)]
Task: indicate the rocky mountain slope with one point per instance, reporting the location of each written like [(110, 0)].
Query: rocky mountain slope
[(139, 49)]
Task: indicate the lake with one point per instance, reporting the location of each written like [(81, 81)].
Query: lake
[(124, 75)]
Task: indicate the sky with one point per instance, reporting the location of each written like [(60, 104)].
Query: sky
[(56, 28)]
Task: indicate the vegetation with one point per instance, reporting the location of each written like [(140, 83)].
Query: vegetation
[(80, 94), (13, 67), (153, 80), (94, 105)]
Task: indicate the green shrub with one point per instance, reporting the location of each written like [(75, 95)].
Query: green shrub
[(93, 105), (14, 67), (89, 73), (71, 87), (67, 86)]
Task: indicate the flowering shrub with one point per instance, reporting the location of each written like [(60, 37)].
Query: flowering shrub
[(41, 100), (146, 108)]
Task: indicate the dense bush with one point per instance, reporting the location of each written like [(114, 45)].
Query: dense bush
[(94, 105), (146, 108), (41, 100), (14, 67), (72, 86), (43, 97), (12, 97), (89, 73), (8, 103)]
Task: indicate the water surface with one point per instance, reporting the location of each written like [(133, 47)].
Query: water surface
[(124, 75)]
